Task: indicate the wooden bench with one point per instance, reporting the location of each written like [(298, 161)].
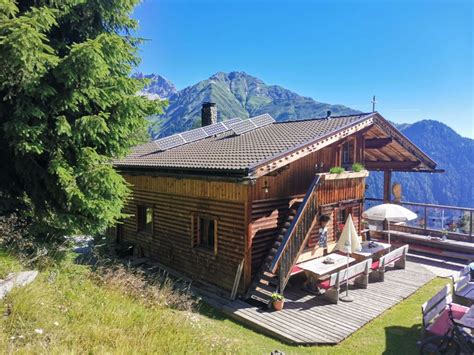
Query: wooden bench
[(359, 273), (435, 312), (465, 271), (464, 290), (397, 256), (465, 249)]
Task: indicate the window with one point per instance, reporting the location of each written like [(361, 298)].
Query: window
[(144, 219), (205, 233), (347, 153)]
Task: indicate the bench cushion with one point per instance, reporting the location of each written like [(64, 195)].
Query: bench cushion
[(325, 284), (375, 265), (296, 270), (442, 323)]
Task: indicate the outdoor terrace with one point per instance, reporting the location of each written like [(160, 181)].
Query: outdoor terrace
[(310, 320)]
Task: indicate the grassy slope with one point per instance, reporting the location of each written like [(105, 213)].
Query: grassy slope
[(80, 317)]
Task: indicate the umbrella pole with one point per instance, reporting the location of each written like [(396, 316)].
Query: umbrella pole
[(347, 297), (388, 228)]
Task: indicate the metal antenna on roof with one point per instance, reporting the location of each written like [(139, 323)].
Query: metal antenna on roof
[(373, 103)]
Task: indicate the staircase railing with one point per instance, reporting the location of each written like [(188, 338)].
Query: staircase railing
[(296, 236)]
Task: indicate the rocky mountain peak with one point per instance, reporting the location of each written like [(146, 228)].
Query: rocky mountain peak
[(158, 85)]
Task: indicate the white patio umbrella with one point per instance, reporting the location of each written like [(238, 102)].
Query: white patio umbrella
[(389, 212), (348, 242), (349, 235)]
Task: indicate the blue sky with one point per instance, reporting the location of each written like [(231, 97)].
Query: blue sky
[(416, 56)]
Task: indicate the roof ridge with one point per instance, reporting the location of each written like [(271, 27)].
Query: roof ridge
[(324, 117)]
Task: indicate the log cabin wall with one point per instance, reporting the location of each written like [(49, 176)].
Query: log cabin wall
[(176, 204)]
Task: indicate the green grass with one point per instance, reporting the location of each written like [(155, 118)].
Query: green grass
[(78, 316)]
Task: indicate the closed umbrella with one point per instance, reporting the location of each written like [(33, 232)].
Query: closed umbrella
[(389, 212), (348, 242), (349, 235)]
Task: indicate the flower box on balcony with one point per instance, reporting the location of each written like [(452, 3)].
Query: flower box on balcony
[(346, 175)]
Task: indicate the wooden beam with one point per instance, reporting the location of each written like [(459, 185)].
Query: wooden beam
[(387, 182), (392, 165), (377, 143)]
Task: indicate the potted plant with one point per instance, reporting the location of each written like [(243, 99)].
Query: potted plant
[(278, 301), (357, 167), (337, 170), (444, 232)]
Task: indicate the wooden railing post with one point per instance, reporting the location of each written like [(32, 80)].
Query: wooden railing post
[(426, 217), (470, 227)]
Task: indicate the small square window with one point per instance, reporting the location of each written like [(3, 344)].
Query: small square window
[(144, 219)]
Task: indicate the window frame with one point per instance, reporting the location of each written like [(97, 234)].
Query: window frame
[(196, 233), (350, 144), (139, 220)]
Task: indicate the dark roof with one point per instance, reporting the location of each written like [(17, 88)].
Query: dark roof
[(236, 153)]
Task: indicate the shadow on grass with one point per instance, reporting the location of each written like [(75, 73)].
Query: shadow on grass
[(402, 340), (213, 313)]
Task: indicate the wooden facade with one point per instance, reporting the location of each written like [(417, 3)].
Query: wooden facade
[(247, 215)]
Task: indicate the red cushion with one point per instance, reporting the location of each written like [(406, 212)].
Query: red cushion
[(442, 323), (325, 284), (375, 265), (296, 270)]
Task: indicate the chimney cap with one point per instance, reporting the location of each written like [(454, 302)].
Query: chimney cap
[(209, 104), (328, 113)]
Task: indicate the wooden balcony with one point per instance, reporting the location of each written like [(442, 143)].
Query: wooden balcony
[(346, 186)]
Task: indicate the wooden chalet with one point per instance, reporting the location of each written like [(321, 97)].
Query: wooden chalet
[(236, 202)]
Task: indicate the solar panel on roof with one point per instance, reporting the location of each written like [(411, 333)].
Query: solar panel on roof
[(215, 128), (243, 127), (252, 123), (262, 120), (170, 142), (194, 135), (232, 121)]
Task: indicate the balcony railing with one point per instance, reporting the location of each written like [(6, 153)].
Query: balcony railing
[(455, 222)]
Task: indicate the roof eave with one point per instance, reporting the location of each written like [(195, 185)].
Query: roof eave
[(224, 173), (317, 141)]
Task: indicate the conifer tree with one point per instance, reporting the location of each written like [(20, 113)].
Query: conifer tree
[(68, 107)]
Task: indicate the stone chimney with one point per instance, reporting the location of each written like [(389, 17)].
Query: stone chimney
[(208, 113)]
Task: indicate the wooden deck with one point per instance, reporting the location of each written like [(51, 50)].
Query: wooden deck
[(308, 319)]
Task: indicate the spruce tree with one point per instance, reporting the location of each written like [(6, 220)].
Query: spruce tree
[(68, 107)]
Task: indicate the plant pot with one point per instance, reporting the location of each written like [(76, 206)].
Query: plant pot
[(278, 305)]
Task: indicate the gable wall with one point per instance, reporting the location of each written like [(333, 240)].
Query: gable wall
[(269, 210)]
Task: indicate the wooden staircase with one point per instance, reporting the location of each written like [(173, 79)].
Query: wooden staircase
[(276, 269), (265, 282)]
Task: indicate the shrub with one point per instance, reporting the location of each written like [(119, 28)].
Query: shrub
[(337, 170), (356, 167), (17, 238), (157, 290)]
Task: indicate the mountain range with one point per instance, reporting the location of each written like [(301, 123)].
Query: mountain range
[(238, 94)]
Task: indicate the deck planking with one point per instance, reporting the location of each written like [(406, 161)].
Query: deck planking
[(310, 320)]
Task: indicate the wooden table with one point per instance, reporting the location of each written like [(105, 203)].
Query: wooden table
[(318, 268), (373, 253), (467, 320)]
